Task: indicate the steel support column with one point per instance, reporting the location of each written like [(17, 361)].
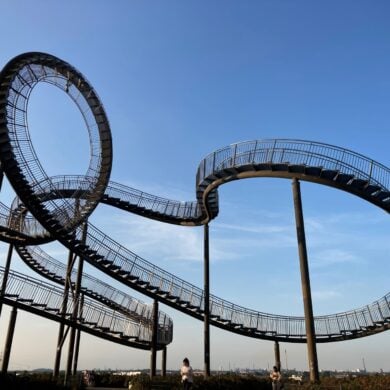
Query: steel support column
[(9, 339), (164, 362), (153, 356), (305, 280), (5, 275), (206, 302), (277, 355), (78, 336), (64, 307), (76, 305)]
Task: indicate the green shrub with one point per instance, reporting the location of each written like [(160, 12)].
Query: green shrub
[(218, 382), (34, 381)]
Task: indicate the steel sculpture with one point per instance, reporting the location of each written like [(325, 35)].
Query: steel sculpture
[(59, 205), (62, 214)]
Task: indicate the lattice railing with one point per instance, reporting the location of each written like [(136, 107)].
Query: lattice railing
[(224, 310), (295, 152), (50, 297), (128, 305)]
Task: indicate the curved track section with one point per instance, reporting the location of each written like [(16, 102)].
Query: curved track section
[(45, 300), (45, 265), (308, 161)]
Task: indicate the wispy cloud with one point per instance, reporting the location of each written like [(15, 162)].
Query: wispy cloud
[(154, 240), (258, 229), (329, 257), (325, 295)]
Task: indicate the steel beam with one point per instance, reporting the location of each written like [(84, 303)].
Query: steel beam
[(5, 275), (78, 336), (277, 355), (9, 339), (64, 307), (206, 302), (164, 362), (76, 303), (153, 356), (305, 280)]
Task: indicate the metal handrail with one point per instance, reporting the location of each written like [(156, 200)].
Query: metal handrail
[(277, 325), (49, 297), (123, 302), (224, 310), (288, 151)]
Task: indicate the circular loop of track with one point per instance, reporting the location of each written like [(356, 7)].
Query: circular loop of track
[(18, 157)]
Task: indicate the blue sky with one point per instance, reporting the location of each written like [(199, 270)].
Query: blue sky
[(181, 79)]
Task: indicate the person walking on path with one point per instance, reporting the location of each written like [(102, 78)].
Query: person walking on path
[(276, 378), (186, 374)]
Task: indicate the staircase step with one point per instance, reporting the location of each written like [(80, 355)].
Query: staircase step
[(11, 295), (358, 183), (90, 323), (283, 167), (381, 195), (27, 300), (328, 174), (142, 284), (241, 168), (296, 168), (54, 309), (372, 188), (96, 257), (313, 171), (103, 328), (116, 332), (106, 263), (122, 273), (343, 178)]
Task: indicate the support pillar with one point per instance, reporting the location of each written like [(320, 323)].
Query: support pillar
[(206, 302), (153, 356), (64, 307), (277, 355), (9, 339), (78, 336), (305, 280), (164, 362), (76, 306), (5, 275)]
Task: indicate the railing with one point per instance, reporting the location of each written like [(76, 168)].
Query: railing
[(168, 207), (279, 151), (128, 305), (24, 72), (295, 152), (341, 324), (256, 151), (50, 297)]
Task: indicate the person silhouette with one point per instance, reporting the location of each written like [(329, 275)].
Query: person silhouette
[(186, 374), (276, 378)]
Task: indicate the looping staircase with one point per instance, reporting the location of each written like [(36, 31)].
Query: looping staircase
[(61, 206)]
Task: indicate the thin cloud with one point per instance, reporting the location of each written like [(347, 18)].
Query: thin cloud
[(331, 257), (325, 295), (253, 229)]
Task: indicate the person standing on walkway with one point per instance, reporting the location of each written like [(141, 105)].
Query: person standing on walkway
[(186, 374), (276, 378)]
